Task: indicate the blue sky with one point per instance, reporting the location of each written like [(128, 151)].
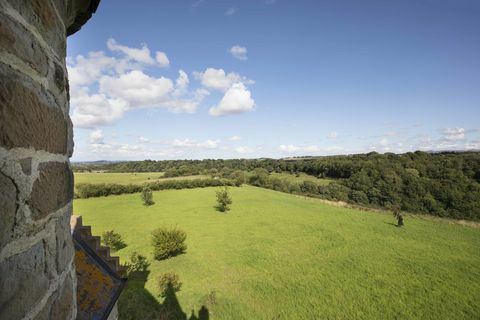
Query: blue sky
[(230, 79)]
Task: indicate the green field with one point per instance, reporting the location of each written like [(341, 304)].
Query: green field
[(123, 178), (279, 256)]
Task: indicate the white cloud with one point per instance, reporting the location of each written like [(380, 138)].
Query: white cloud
[(142, 139), (237, 99), (96, 109), (105, 87), (244, 150), (310, 150), (96, 137), (239, 52), (332, 135), (189, 143), (137, 88), (85, 70), (453, 134), (162, 59), (230, 11), (383, 142), (140, 55), (217, 79), (236, 138)]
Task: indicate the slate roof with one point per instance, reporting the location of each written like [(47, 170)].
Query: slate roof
[(99, 275)]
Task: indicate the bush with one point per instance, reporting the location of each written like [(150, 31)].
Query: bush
[(138, 263), (168, 242), (113, 240), (147, 197), (223, 200), (168, 281)]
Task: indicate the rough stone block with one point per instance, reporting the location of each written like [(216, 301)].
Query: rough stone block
[(26, 118), (52, 190), (22, 282), (64, 244), (8, 207), (17, 41), (59, 306), (41, 15)]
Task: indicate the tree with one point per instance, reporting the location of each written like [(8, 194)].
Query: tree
[(113, 240), (168, 242), (223, 200), (147, 196)]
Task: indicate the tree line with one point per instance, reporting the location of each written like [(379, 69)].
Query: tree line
[(443, 184)]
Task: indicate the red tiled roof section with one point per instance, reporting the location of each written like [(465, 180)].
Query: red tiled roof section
[(94, 242)]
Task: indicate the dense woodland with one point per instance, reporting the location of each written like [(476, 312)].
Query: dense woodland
[(442, 184)]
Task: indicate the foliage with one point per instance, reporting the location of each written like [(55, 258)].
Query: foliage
[(168, 242), (223, 200), (443, 184), (138, 263), (147, 196), (283, 252), (168, 281), (87, 190), (113, 240)]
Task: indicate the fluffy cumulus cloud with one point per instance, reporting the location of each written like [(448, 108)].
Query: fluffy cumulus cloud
[(162, 59), (453, 134), (218, 79), (237, 99), (239, 52), (106, 86), (96, 137)]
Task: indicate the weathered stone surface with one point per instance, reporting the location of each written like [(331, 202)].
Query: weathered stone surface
[(52, 190), (15, 39), (22, 282), (58, 306), (62, 306), (64, 244), (8, 207), (26, 165), (41, 14), (25, 118)]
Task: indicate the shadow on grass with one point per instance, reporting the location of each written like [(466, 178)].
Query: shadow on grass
[(136, 302), (393, 224)]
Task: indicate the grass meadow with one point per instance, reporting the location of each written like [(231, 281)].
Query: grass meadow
[(280, 256)]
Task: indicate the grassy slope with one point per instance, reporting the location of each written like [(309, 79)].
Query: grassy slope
[(123, 178), (278, 256)]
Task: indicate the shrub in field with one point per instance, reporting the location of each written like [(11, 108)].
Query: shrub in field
[(168, 242), (147, 197), (168, 282), (223, 200), (138, 263), (113, 240)]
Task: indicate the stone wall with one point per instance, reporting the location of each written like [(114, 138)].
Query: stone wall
[(37, 274)]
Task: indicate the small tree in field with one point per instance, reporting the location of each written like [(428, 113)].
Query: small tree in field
[(223, 200), (113, 240), (147, 197), (397, 213)]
